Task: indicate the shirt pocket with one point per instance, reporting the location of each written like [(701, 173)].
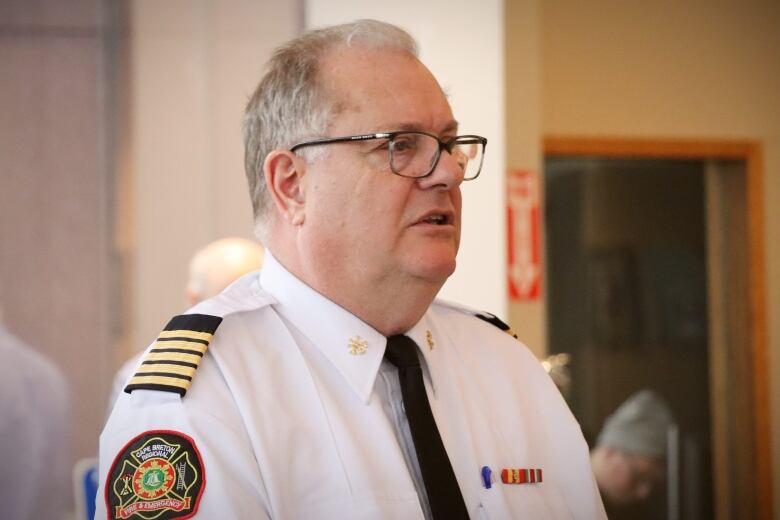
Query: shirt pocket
[(539, 502)]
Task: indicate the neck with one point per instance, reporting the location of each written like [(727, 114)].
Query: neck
[(390, 304), (389, 307)]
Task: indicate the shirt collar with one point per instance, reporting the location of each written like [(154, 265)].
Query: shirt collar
[(353, 347)]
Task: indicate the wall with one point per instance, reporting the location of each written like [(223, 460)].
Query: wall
[(471, 71), (194, 64), (667, 69), (55, 198), (523, 134)]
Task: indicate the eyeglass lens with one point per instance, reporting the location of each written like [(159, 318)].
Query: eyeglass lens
[(415, 155)]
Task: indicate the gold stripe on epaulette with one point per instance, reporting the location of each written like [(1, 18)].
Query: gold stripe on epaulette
[(186, 345), (160, 381), (173, 356), (204, 336), (167, 368)]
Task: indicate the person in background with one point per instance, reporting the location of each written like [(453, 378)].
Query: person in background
[(334, 385), (211, 269), (35, 479), (629, 459), (219, 264)]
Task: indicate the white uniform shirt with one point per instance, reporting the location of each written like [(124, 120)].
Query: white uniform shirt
[(285, 414)]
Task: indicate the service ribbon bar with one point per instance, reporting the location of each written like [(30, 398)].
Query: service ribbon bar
[(521, 476)]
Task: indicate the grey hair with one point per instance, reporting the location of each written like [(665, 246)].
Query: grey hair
[(290, 103)]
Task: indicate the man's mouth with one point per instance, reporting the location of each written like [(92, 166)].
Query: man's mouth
[(437, 220)]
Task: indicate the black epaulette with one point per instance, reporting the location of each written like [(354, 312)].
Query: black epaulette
[(493, 320), (170, 364)]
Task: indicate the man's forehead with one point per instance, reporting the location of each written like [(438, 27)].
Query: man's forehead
[(379, 70), (389, 84), (341, 56)]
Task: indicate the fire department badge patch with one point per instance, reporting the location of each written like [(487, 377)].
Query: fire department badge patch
[(157, 476)]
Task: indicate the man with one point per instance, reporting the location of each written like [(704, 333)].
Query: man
[(629, 460), (333, 385), (211, 269)]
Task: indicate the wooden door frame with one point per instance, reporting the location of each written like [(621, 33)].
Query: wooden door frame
[(752, 154)]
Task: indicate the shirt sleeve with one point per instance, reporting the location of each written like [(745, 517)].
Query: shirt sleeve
[(162, 453)]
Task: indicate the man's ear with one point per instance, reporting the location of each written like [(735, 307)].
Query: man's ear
[(284, 173)]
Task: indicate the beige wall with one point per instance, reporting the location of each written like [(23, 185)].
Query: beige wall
[(193, 65), (667, 69), (522, 27), (55, 278)]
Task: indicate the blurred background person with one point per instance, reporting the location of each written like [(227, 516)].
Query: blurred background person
[(211, 269), (630, 457), (34, 433), (219, 264)]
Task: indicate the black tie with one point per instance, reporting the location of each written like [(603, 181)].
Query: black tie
[(440, 483)]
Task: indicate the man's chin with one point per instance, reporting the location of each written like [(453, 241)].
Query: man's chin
[(435, 270)]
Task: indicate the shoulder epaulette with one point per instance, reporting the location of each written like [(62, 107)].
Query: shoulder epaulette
[(495, 321), (170, 364)]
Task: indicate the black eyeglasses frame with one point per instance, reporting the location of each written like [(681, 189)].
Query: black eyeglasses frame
[(447, 145)]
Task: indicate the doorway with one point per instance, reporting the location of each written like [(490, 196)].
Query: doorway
[(654, 269)]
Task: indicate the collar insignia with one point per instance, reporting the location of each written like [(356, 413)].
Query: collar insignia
[(429, 340), (357, 346)]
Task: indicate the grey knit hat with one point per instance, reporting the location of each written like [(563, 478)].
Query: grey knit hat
[(639, 425)]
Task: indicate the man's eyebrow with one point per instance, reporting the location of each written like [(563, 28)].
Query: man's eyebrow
[(451, 126)]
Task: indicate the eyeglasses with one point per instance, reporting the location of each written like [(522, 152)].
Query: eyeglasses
[(416, 154)]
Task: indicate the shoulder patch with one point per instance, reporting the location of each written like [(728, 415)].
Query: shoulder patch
[(170, 364), (495, 321), (157, 475)]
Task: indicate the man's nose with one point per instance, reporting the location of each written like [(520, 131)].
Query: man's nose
[(447, 175)]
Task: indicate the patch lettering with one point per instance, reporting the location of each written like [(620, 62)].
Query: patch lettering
[(157, 476)]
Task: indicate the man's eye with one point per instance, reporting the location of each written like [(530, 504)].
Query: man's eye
[(382, 144), (404, 144)]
